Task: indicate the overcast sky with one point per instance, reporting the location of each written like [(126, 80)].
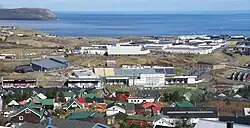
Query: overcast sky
[(131, 5)]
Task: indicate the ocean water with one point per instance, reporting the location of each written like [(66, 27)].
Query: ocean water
[(117, 25)]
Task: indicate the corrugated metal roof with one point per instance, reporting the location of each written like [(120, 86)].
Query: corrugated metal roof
[(138, 71), (59, 58), (47, 63)]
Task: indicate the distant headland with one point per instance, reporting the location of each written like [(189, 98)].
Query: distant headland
[(27, 14)]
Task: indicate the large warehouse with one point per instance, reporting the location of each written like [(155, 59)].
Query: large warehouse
[(135, 75), (50, 64), (126, 50)]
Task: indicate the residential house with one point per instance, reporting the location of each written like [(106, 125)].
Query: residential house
[(87, 116), (69, 95), (148, 94), (217, 124), (153, 108), (115, 108), (13, 103), (130, 109), (41, 96), (47, 103), (30, 112), (116, 118), (164, 122), (139, 100), (72, 104), (97, 107), (142, 120), (182, 104)]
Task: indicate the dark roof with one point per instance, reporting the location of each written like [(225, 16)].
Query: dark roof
[(236, 119), (137, 71), (48, 63), (31, 125), (148, 93), (97, 100), (190, 112), (65, 123), (138, 106), (115, 104), (59, 59)]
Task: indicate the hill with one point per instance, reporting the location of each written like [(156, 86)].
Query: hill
[(27, 14)]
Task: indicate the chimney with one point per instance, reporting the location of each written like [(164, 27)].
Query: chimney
[(230, 124)]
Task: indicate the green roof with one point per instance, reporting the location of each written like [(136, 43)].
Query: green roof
[(47, 101), (130, 106), (68, 94), (184, 104), (31, 106), (70, 102), (140, 117), (93, 95), (123, 90), (81, 115)]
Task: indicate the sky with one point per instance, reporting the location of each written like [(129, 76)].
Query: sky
[(130, 5)]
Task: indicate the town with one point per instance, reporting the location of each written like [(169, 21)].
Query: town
[(186, 81)]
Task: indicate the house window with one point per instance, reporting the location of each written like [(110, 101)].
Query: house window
[(27, 111), (20, 117)]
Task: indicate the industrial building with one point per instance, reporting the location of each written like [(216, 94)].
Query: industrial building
[(135, 76), (126, 50), (50, 64), (83, 78), (192, 76), (18, 83)]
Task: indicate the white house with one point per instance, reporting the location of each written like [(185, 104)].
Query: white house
[(139, 100), (115, 108), (41, 96), (165, 122)]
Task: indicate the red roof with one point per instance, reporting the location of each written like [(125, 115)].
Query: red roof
[(81, 100), (156, 107), (149, 104), (23, 102), (124, 96)]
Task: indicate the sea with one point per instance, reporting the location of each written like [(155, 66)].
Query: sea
[(82, 24)]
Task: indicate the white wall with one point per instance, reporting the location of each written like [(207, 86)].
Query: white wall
[(148, 79), (114, 110), (168, 122), (139, 101), (126, 50)]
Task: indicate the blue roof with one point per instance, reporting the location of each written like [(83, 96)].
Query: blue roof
[(47, 63), (59, 58)]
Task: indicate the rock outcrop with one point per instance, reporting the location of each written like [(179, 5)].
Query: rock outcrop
[(27, 14)]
